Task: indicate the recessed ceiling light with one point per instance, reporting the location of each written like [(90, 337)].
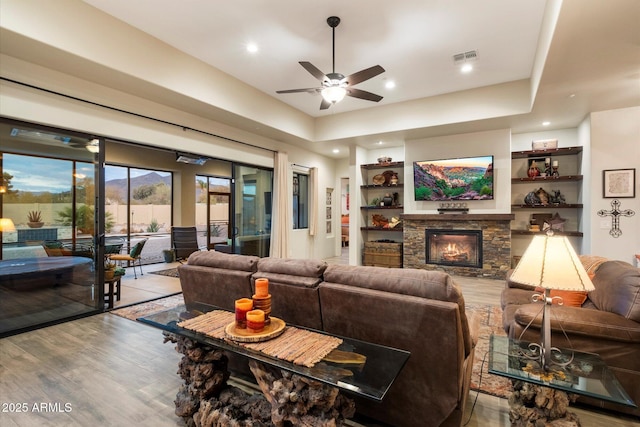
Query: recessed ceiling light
[(466, 68), (380, 142), (390, 84), (252, 48), (573, 95), (546, 123), (336, 151)]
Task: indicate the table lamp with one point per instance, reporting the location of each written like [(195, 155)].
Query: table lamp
[(550, 263), (6, 225)]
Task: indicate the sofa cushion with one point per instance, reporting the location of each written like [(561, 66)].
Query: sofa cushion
[(617, 290), (227, 261), (292, 267)]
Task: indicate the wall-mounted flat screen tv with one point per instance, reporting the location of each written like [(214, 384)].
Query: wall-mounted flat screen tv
[(468, 178)]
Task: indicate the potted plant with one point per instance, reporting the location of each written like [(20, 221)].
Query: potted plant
[(168, 255), (34, 219), (109, 269)]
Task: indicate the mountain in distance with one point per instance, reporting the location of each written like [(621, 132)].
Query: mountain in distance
[(119, 186)]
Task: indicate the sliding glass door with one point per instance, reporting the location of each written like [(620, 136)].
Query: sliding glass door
[(49, 262), (252, 210)]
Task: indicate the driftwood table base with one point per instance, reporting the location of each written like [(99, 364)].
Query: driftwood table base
[(206, 400), (531, 405)]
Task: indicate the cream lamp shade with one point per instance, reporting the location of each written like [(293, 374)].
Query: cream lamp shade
[(551, 263), (6, 225)]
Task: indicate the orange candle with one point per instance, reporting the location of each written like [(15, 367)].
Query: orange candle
[(262, 288), (255, 320), (242, 305)]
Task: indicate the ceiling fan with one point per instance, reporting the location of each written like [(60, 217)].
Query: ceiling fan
[(335, 85)]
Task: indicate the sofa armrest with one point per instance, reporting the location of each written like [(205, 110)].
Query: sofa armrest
[(581, 321), (474, 320)]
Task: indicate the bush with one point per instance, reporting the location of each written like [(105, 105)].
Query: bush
[(153, 227)]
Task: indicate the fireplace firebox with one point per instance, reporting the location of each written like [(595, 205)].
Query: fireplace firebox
[(459, 248)]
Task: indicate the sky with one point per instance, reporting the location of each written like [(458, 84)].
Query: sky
[(38, 174)]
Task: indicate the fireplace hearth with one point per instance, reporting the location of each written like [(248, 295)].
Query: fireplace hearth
[(457, 248)]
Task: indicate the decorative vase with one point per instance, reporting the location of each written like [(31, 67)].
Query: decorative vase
[(109, 274), (533, 170)]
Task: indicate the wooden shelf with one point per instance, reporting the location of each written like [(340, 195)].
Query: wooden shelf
[(546, 178), (381, 229), (381, 207), (555, 232), (549, 206), (370, 186), (550, 152), (383, 165)]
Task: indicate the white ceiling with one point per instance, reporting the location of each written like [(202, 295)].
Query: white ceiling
[(414, 40), (530, 68)]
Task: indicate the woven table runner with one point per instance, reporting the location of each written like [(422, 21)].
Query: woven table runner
[(295, 345)]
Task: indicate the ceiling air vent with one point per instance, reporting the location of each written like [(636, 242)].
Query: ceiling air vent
[(471, 55)]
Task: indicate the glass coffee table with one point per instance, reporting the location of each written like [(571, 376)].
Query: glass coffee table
[(585, 374), (371, 378)]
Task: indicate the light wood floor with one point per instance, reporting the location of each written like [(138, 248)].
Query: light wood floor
[(110, 371)]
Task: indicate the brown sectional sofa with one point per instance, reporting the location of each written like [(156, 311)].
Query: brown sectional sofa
[(415, 310), (607, 323)]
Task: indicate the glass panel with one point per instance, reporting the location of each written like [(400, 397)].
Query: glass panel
[(218, 219), (585, 373), (138, 206), (47, 262), (213, 198), (252, 214), (371, 379), (300, 201)]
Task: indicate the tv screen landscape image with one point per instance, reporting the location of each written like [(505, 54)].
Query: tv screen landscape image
[(469, 178)]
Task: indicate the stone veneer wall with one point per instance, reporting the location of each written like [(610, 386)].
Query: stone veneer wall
[(496, 242)]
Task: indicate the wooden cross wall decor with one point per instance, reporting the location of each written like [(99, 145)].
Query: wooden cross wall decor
[(615, 213)]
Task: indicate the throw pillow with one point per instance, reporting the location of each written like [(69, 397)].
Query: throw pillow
[(569, 298), (617, 290)]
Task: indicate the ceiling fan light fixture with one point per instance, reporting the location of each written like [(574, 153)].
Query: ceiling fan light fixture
[(93, 146), (333, 94)]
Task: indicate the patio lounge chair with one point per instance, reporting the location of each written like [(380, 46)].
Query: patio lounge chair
[(132, 256), (184, 241)]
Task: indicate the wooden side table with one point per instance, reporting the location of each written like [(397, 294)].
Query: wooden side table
[(112, 289)]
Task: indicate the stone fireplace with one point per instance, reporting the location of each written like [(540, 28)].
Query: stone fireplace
[(490, 259), (457, 248)]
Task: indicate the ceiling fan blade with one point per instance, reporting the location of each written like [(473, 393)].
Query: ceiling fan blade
[(363, 75), (363, 94), (324, 104), (308, 90), (315, 72)]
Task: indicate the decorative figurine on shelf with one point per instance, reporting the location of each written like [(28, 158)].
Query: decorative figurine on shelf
[(555, 172), (533, 170), (557, 198), (547, 166), (536, 198), (387, 200), (394, 179), (556, 223), (379, 221)]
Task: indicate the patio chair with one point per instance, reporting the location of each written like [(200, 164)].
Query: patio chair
[(184, 241), (132, 256), (113, 245)]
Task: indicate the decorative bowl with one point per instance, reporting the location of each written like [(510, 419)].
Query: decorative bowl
[(384, 159)]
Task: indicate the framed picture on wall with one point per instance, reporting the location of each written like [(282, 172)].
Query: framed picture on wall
[(329, 196), (618, 183)]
